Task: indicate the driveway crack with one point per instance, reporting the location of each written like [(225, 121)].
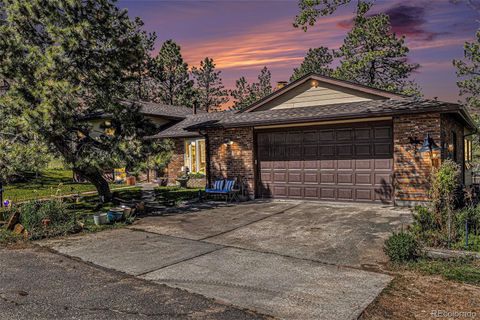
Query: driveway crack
[(249, 223)]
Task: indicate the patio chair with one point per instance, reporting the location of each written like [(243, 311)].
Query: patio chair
[(224, 188)]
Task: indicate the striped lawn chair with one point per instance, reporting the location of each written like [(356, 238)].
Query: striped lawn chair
[(226, 188)]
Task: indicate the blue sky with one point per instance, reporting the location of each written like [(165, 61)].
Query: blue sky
[(244, 36)]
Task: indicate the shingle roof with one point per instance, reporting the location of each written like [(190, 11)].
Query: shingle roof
[(332, 112), (375, 108), (178, 129)]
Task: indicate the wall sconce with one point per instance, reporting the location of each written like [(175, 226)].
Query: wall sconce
[(429, 145), (228, 142)]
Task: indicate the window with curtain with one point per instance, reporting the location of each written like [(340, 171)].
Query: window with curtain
[(195, 157)]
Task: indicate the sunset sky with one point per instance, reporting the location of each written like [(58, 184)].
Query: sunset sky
[(243, 36)]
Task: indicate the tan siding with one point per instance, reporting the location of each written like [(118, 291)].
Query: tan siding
[(306, 95)]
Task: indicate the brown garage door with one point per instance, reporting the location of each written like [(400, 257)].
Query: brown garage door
[(340, 163)]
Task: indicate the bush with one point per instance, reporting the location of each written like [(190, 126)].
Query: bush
[(401, 247), (33, 214)]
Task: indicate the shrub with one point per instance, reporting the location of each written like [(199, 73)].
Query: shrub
[(401, 247), (33, 213)]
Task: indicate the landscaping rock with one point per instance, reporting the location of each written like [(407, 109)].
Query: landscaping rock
[(18, 229), (13, 220)]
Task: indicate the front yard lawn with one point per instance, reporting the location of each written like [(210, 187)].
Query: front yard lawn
[(462, 270), (423, 288), (52, 182)]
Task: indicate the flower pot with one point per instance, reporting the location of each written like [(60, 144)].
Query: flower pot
[(115, 214), (100, 218)]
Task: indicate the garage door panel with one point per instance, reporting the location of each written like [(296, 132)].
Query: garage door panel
[(345, 194), (382, 149), (364, 194), (280, 165), (311, 193), (363, 178), (327, 193), (266, 177), (280, 191), (327, 135), (280, 177), (327, 164), (344, 134), (345, 178), (345, 150), (310, 177), (326, 151), (310, 151), (295, 177), (363, 149), (310, 164), (363, 164), (383, 164), (383, 132), (343, 162), (383, 178), (295, 165), (327, 177), (363, 134), (295, 192)]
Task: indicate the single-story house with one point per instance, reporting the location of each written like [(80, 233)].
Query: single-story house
[(162, 116), (325, 139)]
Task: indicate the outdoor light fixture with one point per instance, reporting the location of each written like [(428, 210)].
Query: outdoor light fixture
[(429, 145), (315, 83), (228, 141)]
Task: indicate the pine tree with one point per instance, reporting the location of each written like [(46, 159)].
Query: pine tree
[(310, 10), (66, 60), (264, 86), (469, 73), (170, 73), (374, 56), (210, 92), (245, 94), (317, 61)]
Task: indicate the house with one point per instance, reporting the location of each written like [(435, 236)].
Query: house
[(162, 116), (325, 139)]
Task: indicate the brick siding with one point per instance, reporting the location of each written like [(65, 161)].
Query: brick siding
[(412, 169), (235, 160), (177, 160)]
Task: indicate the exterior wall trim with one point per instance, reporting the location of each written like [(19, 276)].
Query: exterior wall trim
[(319, 123)]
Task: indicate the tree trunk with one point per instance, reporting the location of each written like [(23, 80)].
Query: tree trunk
[(94, 176)]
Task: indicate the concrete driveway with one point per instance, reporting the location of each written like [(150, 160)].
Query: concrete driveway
[(290, 260)]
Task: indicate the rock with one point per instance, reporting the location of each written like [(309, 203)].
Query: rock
[(18, 229), (13, 220)]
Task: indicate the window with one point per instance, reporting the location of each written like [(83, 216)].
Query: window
[(468, 150), (454, 146), (195, 158)]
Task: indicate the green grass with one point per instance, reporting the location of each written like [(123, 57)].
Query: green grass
[(52, 182), (462, 270)]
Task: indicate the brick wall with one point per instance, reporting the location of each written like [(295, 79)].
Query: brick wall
[(237, 159), (177, 161), (412, 170)]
